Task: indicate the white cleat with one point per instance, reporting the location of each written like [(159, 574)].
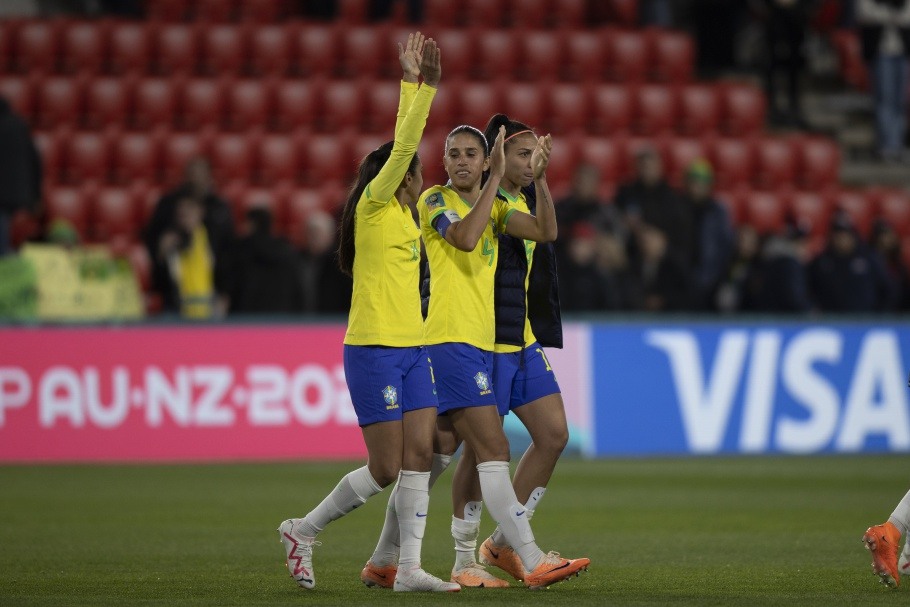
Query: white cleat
[(903, 563), (415, 579), (298, 551)]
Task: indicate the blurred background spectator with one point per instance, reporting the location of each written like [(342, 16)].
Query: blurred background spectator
[(737, 290), (778, 283), (326, 289), (886, 242), (786, 26), (583, 285), (661, 281), (20, 171)]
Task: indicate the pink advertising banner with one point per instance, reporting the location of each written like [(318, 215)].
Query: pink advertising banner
[(175, 394)]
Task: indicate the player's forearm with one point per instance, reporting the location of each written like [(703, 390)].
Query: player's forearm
[(546, 211), (469, 230)]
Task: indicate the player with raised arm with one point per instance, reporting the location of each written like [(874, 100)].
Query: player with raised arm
[(386, 364)]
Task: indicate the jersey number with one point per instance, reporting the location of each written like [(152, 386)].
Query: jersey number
[(489, 250), (545, 361), (415, 252)]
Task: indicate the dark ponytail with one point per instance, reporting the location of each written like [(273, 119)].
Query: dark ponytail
[(498, 120), (369, 168)]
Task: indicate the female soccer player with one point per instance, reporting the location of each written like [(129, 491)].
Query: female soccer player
[(883, 542), (385, 361), (460, 224)]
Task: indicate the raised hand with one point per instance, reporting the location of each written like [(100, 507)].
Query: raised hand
[(497, 155), (540, 157), (430, 65), (410, 56)]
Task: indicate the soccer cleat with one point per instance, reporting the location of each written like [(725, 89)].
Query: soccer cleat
[(476, 576), (382, 577), (903, 563), (416, 579), (553, 568), (299, 551), (503, 557), (883, 542)]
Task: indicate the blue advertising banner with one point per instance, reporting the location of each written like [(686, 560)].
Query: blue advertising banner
[(750, 388)]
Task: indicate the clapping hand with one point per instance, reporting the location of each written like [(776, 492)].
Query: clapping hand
[(497, 154), (540, 157), (411, 56), (430, 65)]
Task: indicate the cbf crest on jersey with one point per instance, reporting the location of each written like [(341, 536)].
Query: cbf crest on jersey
[(434, 201), (483, 382), (390, 395)]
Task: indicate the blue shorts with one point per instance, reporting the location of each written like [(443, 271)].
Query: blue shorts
[(386, 382), (463, 376), (518, 385)]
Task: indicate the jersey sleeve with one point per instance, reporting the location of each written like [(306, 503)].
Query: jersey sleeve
[(405, 100), (436, 213), (502, 211), (381, 189)]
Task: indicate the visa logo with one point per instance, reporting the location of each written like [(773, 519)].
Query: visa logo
[(803, 371)]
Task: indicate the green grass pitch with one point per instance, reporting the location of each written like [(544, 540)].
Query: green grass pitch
[(732, 531)]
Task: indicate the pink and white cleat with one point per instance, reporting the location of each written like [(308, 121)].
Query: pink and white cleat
[(298, 550)]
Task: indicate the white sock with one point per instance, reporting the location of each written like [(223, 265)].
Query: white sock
[(465, 532), (530, 506), (352, 491), (389, 547), (499, 495), (411, 505), (900, 518)]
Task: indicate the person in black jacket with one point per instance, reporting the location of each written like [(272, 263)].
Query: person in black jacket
[(20, 171), (583, 285), (662, 281), (266, 270)]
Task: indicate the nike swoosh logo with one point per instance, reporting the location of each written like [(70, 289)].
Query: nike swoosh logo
[(421, 515), (494, 555), (563, 566), (520, 513), (380, 575)]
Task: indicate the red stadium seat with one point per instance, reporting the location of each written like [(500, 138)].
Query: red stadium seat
[(353, 12), (68, 203), (343, 107), (167, 10), (734, 162), (107, 103), (136, 158), (232, 157), (894, 206), (605, 154), (744, 110), (138, 257), (154, 103), (484, 13), (681, 154), (812, 211), (460, 48), (177, 150), (656, 109), (87, 157), (270, 50), (297, 104), (627, 55), (431, 151), (202, 103), (20, 94), (524, 103), (262, 11), (674, 56), (213, 11), (130, 48), (382, 106), (497, 52), (326, 159), (224, 49), (765, 211), (861, 208), (59, 102), (541, 57), (700, 111), (623, 12), (50, 146), (442, 13), (571, 16), (585, 53), (478, 101), (278, 160), (7, 31), (563, 162), (115, 214), (444, 115), (819, 162), (249, 103), (83, 47), (364, 51), (316, 50), (612, 109), (530, 14), (777, 163), (301, 203), (35, 49), (176, 49), (569, 108), (364, 144)]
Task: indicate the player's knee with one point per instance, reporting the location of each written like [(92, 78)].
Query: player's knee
[(417, 459), (385, 473), (553, 441)]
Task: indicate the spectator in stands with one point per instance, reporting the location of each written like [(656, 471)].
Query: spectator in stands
[(661, 281), (185, 256), (649, 199), (656, 13), (887, 243), (219, 224), (20, 171), (614, 262), (848, 276), (583, 286), (584, 205), (326, 290), (712, 234), (737, 291), (885, 37), (786, 25), (779, 281), (266, 277)]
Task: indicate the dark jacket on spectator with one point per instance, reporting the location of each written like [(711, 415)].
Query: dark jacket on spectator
[(661, 207), (266, 276), (712, 248), (326, 289), (20, 163), (857, 282), (779, 280)]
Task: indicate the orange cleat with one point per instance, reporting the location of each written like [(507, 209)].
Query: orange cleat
[(476, 576), (553, 568), (883, 541), (382, 577), (503, 557)]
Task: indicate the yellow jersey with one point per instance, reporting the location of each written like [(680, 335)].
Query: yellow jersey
[(520, 203), (385, 305), (461, 282)]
